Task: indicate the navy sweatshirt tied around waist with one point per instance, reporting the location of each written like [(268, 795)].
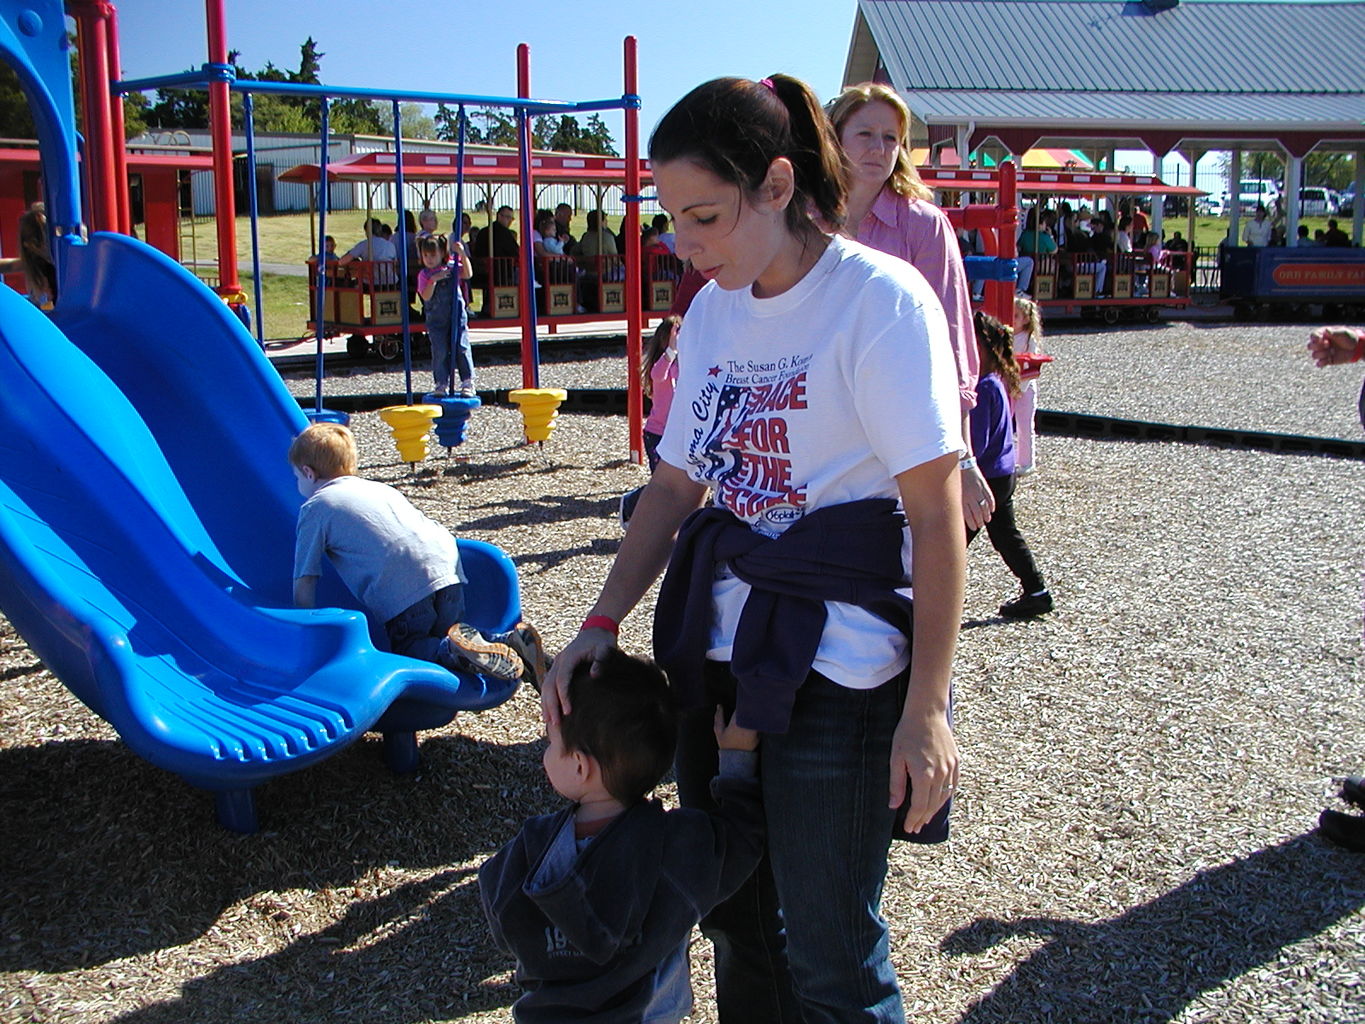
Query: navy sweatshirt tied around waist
[(849, 553)]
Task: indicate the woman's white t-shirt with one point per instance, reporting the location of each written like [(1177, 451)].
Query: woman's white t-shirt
[(815, 397)]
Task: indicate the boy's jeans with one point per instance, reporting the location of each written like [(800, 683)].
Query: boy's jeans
[(418, 630), (804, 939)]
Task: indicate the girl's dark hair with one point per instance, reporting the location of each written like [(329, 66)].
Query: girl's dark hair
[(997, 350), (655, 348), (434, 243), (736, 128)]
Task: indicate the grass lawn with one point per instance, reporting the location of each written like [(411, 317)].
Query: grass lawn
[(284, 297)]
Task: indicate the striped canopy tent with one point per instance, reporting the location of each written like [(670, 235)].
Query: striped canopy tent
[(1041, 158)]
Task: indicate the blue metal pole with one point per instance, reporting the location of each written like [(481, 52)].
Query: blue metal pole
[(458, 284), (322, 241), (403, 247), (249, 125)]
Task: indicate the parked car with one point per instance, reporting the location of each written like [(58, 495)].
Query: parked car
[(1212, 206), (1253, 192), (1346, 202), (1317, 202)]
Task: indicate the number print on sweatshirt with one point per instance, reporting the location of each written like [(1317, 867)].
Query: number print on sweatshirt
[(740, 445)]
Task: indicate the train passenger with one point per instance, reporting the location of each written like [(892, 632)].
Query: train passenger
[(563, 220), (1334, 237), (818, 396), (1257, 232), (666, 237), (376, 250), (891, 209)]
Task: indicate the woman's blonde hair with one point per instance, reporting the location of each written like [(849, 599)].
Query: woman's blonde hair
[(904, 180), (328, 449)]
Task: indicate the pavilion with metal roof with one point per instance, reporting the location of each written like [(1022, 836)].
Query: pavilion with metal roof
[(1169, 76)]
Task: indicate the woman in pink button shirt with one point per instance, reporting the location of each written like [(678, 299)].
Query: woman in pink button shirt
[(889, 208)]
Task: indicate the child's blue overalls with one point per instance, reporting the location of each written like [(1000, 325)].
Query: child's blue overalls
[(439, 311)]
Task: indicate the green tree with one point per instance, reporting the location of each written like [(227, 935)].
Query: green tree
[(16, 122), (564, 134), (567, 136), (597, 138), (416, 123), (16, 118), (1321, 168), (447, 122), (492, 126), (359, 117), (135, 105)]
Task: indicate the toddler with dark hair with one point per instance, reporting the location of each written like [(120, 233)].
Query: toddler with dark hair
[(597, 901)]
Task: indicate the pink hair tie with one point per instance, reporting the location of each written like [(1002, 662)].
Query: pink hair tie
[(768, 82)]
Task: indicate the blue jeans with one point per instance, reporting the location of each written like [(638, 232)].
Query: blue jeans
[(442, 349), (803, 940), (418, 630)]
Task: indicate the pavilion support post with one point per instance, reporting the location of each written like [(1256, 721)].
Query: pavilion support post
[(1194, 157), (1293, 180), (1235, 192), (1358, 214), (1158, 202)]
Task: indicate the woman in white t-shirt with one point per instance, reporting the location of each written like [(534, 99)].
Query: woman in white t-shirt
[(817, 401)]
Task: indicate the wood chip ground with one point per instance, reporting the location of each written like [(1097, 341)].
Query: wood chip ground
[(1142, 769)]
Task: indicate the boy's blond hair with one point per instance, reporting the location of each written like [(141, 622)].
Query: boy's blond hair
[(328, 449)]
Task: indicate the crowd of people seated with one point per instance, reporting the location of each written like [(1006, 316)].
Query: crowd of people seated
[(597, 256), (1082, 242)]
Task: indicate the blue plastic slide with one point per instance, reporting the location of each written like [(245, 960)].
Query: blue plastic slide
[(146, 523)]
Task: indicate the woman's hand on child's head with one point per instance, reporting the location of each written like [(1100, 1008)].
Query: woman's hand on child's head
[(730, 736), (590, 645)]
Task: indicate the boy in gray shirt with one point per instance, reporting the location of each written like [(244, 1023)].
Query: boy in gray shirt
[(402, 566)]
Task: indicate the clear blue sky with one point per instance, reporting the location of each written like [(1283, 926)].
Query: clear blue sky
[(575, 44)]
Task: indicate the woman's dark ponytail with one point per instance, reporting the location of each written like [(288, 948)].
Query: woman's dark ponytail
[(736, 128), (819, 160)]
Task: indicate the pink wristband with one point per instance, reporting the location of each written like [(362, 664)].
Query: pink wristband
[(601, 622)]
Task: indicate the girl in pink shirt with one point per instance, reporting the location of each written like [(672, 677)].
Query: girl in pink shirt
[(660, 372), (661, 377)]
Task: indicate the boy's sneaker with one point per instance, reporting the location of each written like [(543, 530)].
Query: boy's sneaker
[(1346, 830), (468, 651), (524, 640), (434, 396), (1353, 790), (1027, 606), (466, 389)]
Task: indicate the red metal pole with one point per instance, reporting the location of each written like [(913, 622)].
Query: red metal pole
[(220, 129), (99, 156), (635, 404), (1002, 292), (530, 372), (121, 197)]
